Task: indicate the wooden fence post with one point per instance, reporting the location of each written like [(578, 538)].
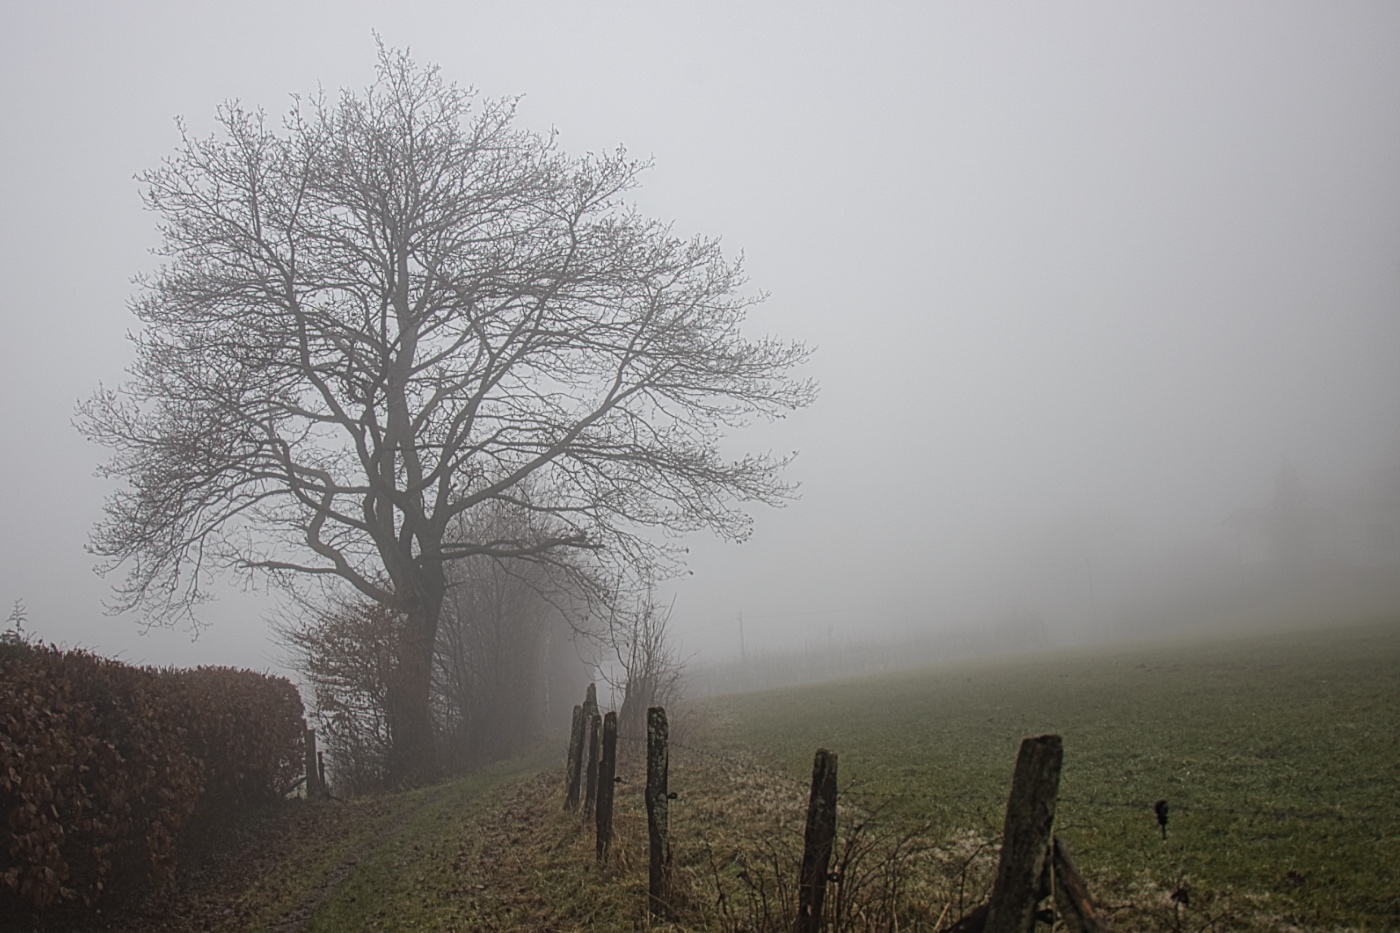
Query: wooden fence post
[(817, 843), (313, 773), (607, 771), (1072, 901), (658, 813), (1025, 841), (571, 766), (595, 725)]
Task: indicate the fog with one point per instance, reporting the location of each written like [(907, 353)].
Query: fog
[(1084, 283)]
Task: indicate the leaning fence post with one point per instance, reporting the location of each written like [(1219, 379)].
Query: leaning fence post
[(607, 771), (658, 807), (571, 765), (595, 725), (1025, 842), (1072, 900), (817, 843)]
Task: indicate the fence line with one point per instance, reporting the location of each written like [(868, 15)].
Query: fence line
[(1034, 865)]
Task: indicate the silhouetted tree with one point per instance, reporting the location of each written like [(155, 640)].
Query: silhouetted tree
[(493, 671), (348, 654), (646, 666), (393, 312), (1290, 520)]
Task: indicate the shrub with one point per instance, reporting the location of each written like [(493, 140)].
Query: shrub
[(102, 765), (247, 728), (92, 765)]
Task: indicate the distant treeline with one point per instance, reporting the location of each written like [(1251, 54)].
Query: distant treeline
[(1211, 597), (830, 659)]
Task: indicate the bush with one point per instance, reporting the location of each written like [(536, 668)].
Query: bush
[(247, 729), (102, 765)]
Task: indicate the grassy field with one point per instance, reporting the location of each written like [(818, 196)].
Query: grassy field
[(1279, 754)]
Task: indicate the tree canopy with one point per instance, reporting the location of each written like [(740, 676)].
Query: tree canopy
[(398, 307)]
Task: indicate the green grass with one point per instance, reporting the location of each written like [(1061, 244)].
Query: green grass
[(490, 851), (413, 879), (1279, 754)]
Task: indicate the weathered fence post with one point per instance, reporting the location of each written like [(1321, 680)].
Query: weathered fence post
[(1072, 901), (571, 765), (817, 843), (658, 813), (607, 772), (578, 738), (1025, 841), (313, 773), (595, 725)]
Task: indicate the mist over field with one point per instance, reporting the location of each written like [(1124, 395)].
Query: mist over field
[(1105, 300)]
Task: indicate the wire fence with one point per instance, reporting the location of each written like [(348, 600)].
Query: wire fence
[(874, 800), (1024, 855)]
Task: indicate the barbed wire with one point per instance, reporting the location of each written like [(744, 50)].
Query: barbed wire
[(879, 799)]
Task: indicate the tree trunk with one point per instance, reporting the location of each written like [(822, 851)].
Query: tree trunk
[(412, 752)]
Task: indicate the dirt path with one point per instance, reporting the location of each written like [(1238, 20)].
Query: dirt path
[(275, 871), (298, 918)]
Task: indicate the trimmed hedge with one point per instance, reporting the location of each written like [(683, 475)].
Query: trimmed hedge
[(246, 728), (104, 765)]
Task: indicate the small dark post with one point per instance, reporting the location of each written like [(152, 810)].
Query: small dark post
[(595, 725), (607, 771), (571, 765), (590, 699), (313, 774), (658, 813), (1072, 901), (1025, 842), (816, 850)]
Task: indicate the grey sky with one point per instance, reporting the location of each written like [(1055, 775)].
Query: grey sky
[(1056, 259)]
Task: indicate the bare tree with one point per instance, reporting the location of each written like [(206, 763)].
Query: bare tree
[(349, 657), (491, 665), (492, 668), (647, 668), (392, 312)]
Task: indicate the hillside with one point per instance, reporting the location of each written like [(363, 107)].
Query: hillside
[(1277, 752)]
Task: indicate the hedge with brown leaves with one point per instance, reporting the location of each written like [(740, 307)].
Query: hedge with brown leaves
[(103, 765), (247, 728)]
